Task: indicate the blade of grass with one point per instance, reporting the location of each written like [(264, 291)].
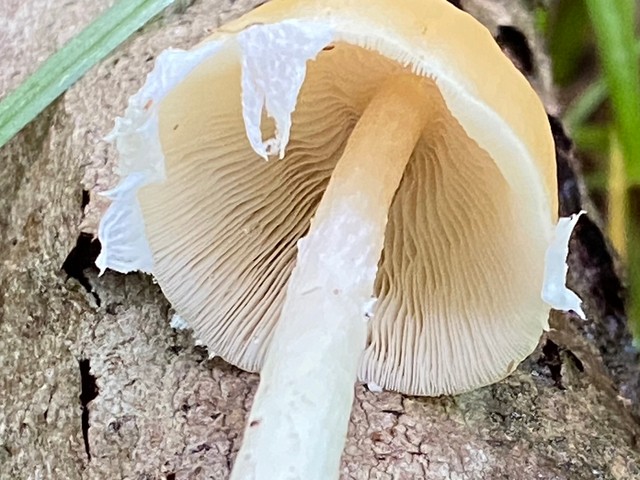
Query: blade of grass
[(72, 61), (592, 138), (541, 20), (568, 38), (613, 23), (617, 198), (579, 111)]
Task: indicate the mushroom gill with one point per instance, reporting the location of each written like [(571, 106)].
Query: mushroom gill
[(461, 272), (406, 234)]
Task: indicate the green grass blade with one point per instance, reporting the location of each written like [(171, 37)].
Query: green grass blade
[(617, 199), (585, 105), (568, 37), (72, 61), (579, 111), (613, 23), (591, 138)]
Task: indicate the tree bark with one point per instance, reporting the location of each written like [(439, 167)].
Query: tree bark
[(95, 384)]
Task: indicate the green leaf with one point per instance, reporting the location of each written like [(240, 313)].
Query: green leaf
[(72, 61)]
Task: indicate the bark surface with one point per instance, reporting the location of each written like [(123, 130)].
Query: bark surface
[(95, 384)]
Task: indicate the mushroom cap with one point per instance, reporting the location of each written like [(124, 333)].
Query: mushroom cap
[(459, 283)]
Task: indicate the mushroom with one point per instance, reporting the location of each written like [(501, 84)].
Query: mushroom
[(397, 234)]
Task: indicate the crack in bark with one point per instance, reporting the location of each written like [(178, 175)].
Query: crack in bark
[(88, 393), (514, 43), (82, 257)]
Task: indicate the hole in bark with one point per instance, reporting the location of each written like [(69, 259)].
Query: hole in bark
[(80, 258), (395, 413), (114, 426), (85, 199), (456, 3), (203, 447), (89, 391), (551, 359), (513, 40), (112, 308), (202, 353), (171, 476), (175, 349), (568, 189), (46, 412)]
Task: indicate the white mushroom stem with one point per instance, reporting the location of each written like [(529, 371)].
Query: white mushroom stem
[(298, 423)]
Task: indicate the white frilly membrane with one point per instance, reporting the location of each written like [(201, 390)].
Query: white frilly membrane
[(554, 290), (141, 161), (274, 61), (273, 70)]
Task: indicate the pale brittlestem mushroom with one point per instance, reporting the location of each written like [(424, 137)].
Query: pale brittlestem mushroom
[(416, 169)]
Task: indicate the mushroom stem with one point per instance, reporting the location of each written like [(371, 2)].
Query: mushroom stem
[(299, 419)]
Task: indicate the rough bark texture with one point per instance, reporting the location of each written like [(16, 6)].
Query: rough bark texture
[(94, 383)]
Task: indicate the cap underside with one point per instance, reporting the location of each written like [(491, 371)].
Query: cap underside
[(461, 272)]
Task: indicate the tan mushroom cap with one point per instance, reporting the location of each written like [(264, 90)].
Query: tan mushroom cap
[(462, 268)]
